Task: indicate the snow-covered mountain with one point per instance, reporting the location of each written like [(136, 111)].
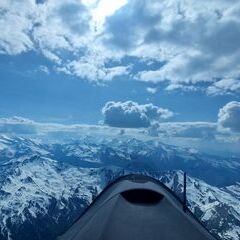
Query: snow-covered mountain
[(44, 187)]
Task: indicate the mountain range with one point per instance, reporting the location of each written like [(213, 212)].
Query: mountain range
[(45, 186)]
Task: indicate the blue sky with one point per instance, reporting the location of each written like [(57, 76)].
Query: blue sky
[(27, 90), (97, 62)]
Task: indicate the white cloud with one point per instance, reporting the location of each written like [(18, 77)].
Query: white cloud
[(224, 86), (200, 135), (151, 90), (17, 125), (229, 116), (197, 41), (106, 8), (196, 130), (133, 115), (174, 87), (95, 71), (204, 136), (66, 35), (44, 69), (16, 21)]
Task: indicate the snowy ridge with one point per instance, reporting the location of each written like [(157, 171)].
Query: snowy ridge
[(44, 187), (217, 207)]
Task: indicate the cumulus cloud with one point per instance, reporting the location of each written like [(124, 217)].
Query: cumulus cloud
[(229, 116), (179, 35), (133, 115), (227, 128), (184, 36), (63, 31)]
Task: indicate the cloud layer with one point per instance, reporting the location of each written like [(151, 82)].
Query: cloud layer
[(17, 125), (196, 43), (195, 130), (198, 135), (133, 115)]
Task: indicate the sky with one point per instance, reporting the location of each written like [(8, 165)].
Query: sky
[(166, 69)]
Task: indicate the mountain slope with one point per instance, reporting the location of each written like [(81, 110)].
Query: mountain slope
[(45, 187)]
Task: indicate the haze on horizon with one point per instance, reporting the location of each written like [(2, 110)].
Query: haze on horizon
[(167, 70)]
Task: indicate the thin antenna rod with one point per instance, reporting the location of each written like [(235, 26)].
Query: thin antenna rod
[(185, 192)]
